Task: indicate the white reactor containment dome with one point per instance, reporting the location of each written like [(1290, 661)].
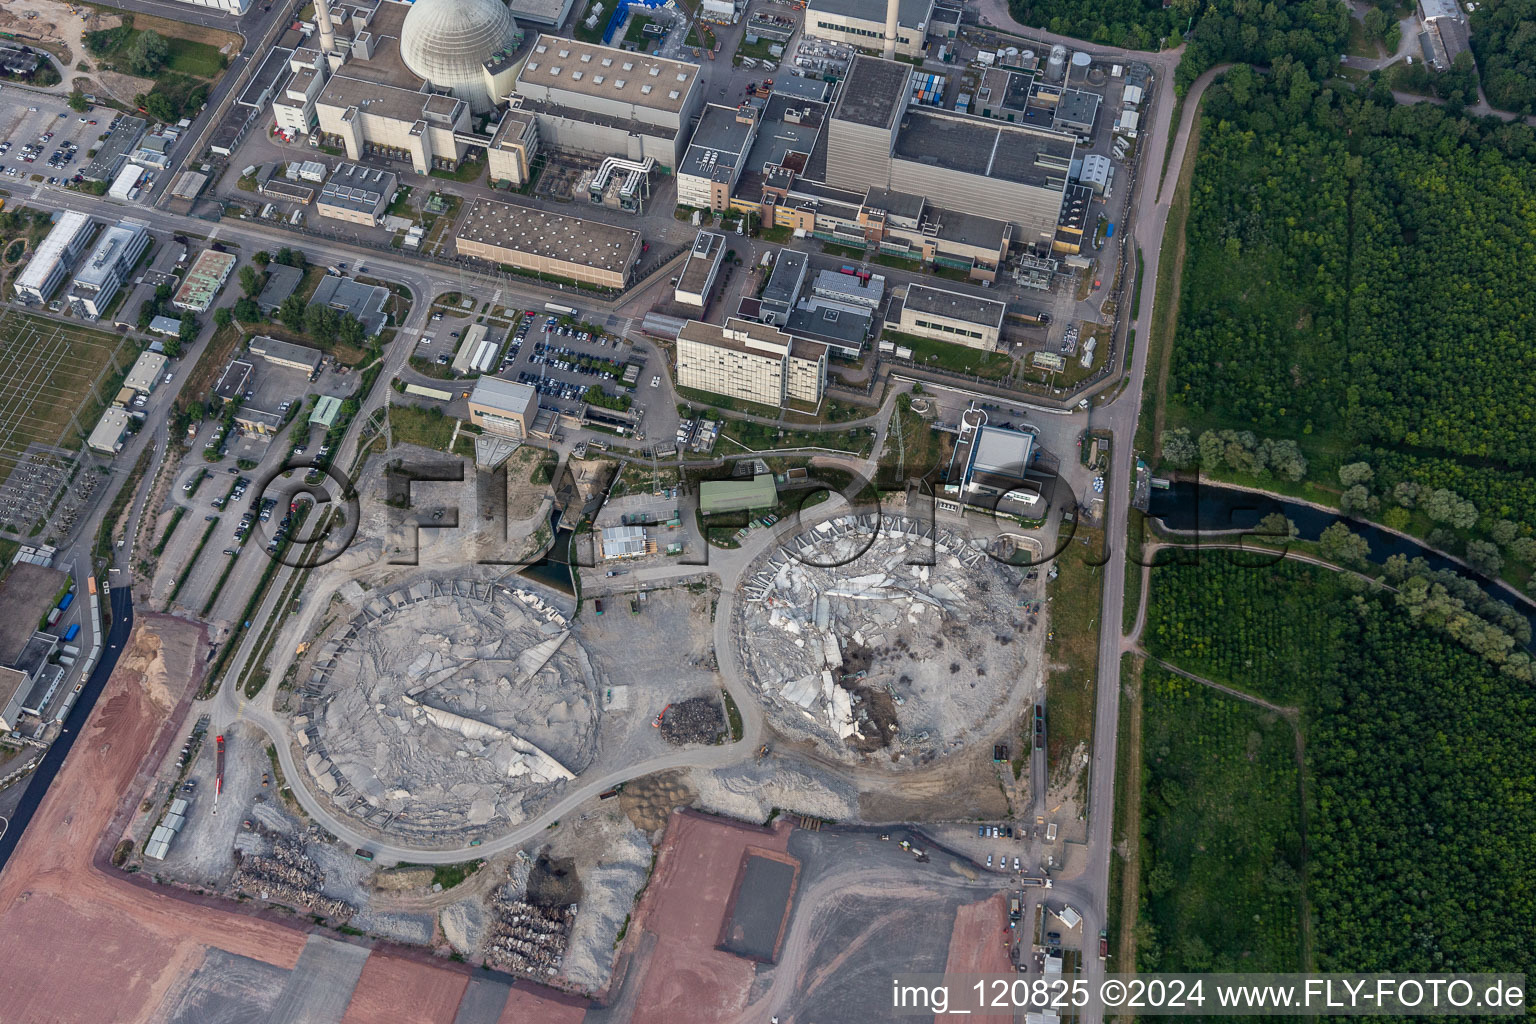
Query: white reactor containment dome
[(448, 42)]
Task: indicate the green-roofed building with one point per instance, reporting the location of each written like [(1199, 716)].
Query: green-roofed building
[(738, 495), (325, 411)]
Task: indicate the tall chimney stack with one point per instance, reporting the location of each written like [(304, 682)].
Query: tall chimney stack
[(327, 30), (892, 18)]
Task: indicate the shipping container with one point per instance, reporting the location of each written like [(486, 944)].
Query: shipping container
[(69, 599), (72, 632)]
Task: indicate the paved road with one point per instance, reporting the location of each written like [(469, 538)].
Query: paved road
[(1121, 416), (259, 28), (53, 760)]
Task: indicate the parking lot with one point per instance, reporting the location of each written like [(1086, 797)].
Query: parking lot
[(558, 359), (40, 135)]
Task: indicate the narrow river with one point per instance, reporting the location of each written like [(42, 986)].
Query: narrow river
[(1192, 507)]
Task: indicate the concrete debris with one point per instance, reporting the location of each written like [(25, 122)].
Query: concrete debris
[(287, 875), (696, 720), (812, 634), (519, 756), (751, 791), (448, 705), (526, 939)]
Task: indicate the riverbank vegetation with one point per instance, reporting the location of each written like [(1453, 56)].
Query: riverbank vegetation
[(1355, 275)]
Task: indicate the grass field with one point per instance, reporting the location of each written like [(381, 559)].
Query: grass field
[(959, 358), (55, 384), (1222, 856), (1073, 654), (198, 59), (913, 446), (428, 428)]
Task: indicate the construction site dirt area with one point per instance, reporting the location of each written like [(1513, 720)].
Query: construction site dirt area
[(82, 942), (395, 990), (743, 922), (882, 636), (682, 916), (979, 942)]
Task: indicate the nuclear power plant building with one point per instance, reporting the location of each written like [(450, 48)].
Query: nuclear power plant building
[(402, 81), (973, 165), (610, 102), (862, 23)]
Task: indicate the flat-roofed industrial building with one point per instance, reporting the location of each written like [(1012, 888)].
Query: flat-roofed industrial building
[(297, 92), (758, 492), (861, 23), (107, 436), (209, 272), (503, 407), (426, 130), (357, 195), (977, 166), (625, 542), (54, 257), (286, 353), (700, 269), (513, 147), (541, 12), (144, 377), (590, 252), (936, 235), (783, 287), (102, 273), (842, 327), (989, 469), (957, 317), (716, 156), (602, 100), (752, 361)]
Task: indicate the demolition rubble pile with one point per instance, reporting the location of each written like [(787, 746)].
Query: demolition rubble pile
[(696, 720), (879, 631), (448, 705), (287, 876), (525, 938)]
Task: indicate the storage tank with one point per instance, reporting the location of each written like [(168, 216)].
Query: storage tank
[(1056, 65), (1080, 62)]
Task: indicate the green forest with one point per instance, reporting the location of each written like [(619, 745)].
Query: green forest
[(1504, 40), (1357, 278), (1420, 761), (1310, 33), (1221, 854)]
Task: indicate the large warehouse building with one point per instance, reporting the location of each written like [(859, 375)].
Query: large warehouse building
[(598, 99), (972, 165), (533, 240), (751, 361)]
